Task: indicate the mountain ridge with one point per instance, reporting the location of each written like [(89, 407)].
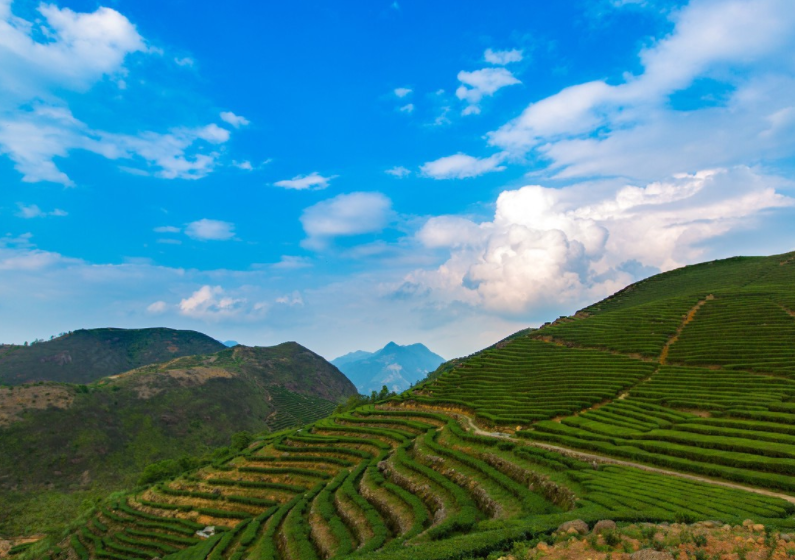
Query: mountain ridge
[(85, 355), (63, 439), (394, 366)]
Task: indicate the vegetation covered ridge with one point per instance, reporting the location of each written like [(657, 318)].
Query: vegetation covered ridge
[(64, 444), (86, 355), (412, 477)]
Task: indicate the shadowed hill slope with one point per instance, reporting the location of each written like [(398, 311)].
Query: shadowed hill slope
[(62, 438), (86, 355), (673, 400)]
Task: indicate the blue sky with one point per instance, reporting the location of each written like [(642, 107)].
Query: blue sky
[(348, 173)]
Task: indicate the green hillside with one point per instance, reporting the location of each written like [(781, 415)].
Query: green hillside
[(670, 401), (63, 443), (86, 355)]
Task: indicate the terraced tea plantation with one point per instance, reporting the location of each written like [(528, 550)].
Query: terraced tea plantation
[(671, 401)]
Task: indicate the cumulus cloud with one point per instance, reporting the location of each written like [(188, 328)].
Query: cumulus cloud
[(345, 215), (212, 303), (210, 230), (482, 83), (62, 49), (402, 92), (568, 246), (68, 51), (462, 166), (314, 181), (409, 108), (398, 172), (33, 211), (501, 58), (167, 229), (235, 120)]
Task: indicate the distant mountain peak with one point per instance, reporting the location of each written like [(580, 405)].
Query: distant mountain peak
[(396, 366)]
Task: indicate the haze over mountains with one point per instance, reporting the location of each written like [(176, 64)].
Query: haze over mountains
[(398, 367)]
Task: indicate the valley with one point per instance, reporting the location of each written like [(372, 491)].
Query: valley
[(644, 407)]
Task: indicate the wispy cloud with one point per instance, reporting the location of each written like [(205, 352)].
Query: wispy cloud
[(235, 120), (67, 51), (633, 127), (462, 166), (482, 83), (210, 230), (167, 229), (501, 58), (398, 172), (314, 181), (33, 211), (289, 262), (345, 215)]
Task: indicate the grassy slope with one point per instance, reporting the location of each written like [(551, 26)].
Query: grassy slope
[(117, 426), (84, 355), (613, 379)]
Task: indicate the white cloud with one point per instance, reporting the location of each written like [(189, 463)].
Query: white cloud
[(18, 254), (345, 215), (398, 172), (634, 128), (402, 91), (157, 307), (69, 51), (63, 49), (167, 229), (244, 165), (211, 303), (292, 299), (482, 83), (502, 58), (185, 61), (33, 211), (210, 230), (235, 120), (289, 262), (462, 166), (407, 108), (314, 181), (569, 246)]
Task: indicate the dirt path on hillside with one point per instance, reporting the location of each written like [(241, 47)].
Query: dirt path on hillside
[(688, 319), (590, 457)]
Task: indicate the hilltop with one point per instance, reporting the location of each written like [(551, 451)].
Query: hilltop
[(86, 355), (672, 401), (398, 367), (61, 439)]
